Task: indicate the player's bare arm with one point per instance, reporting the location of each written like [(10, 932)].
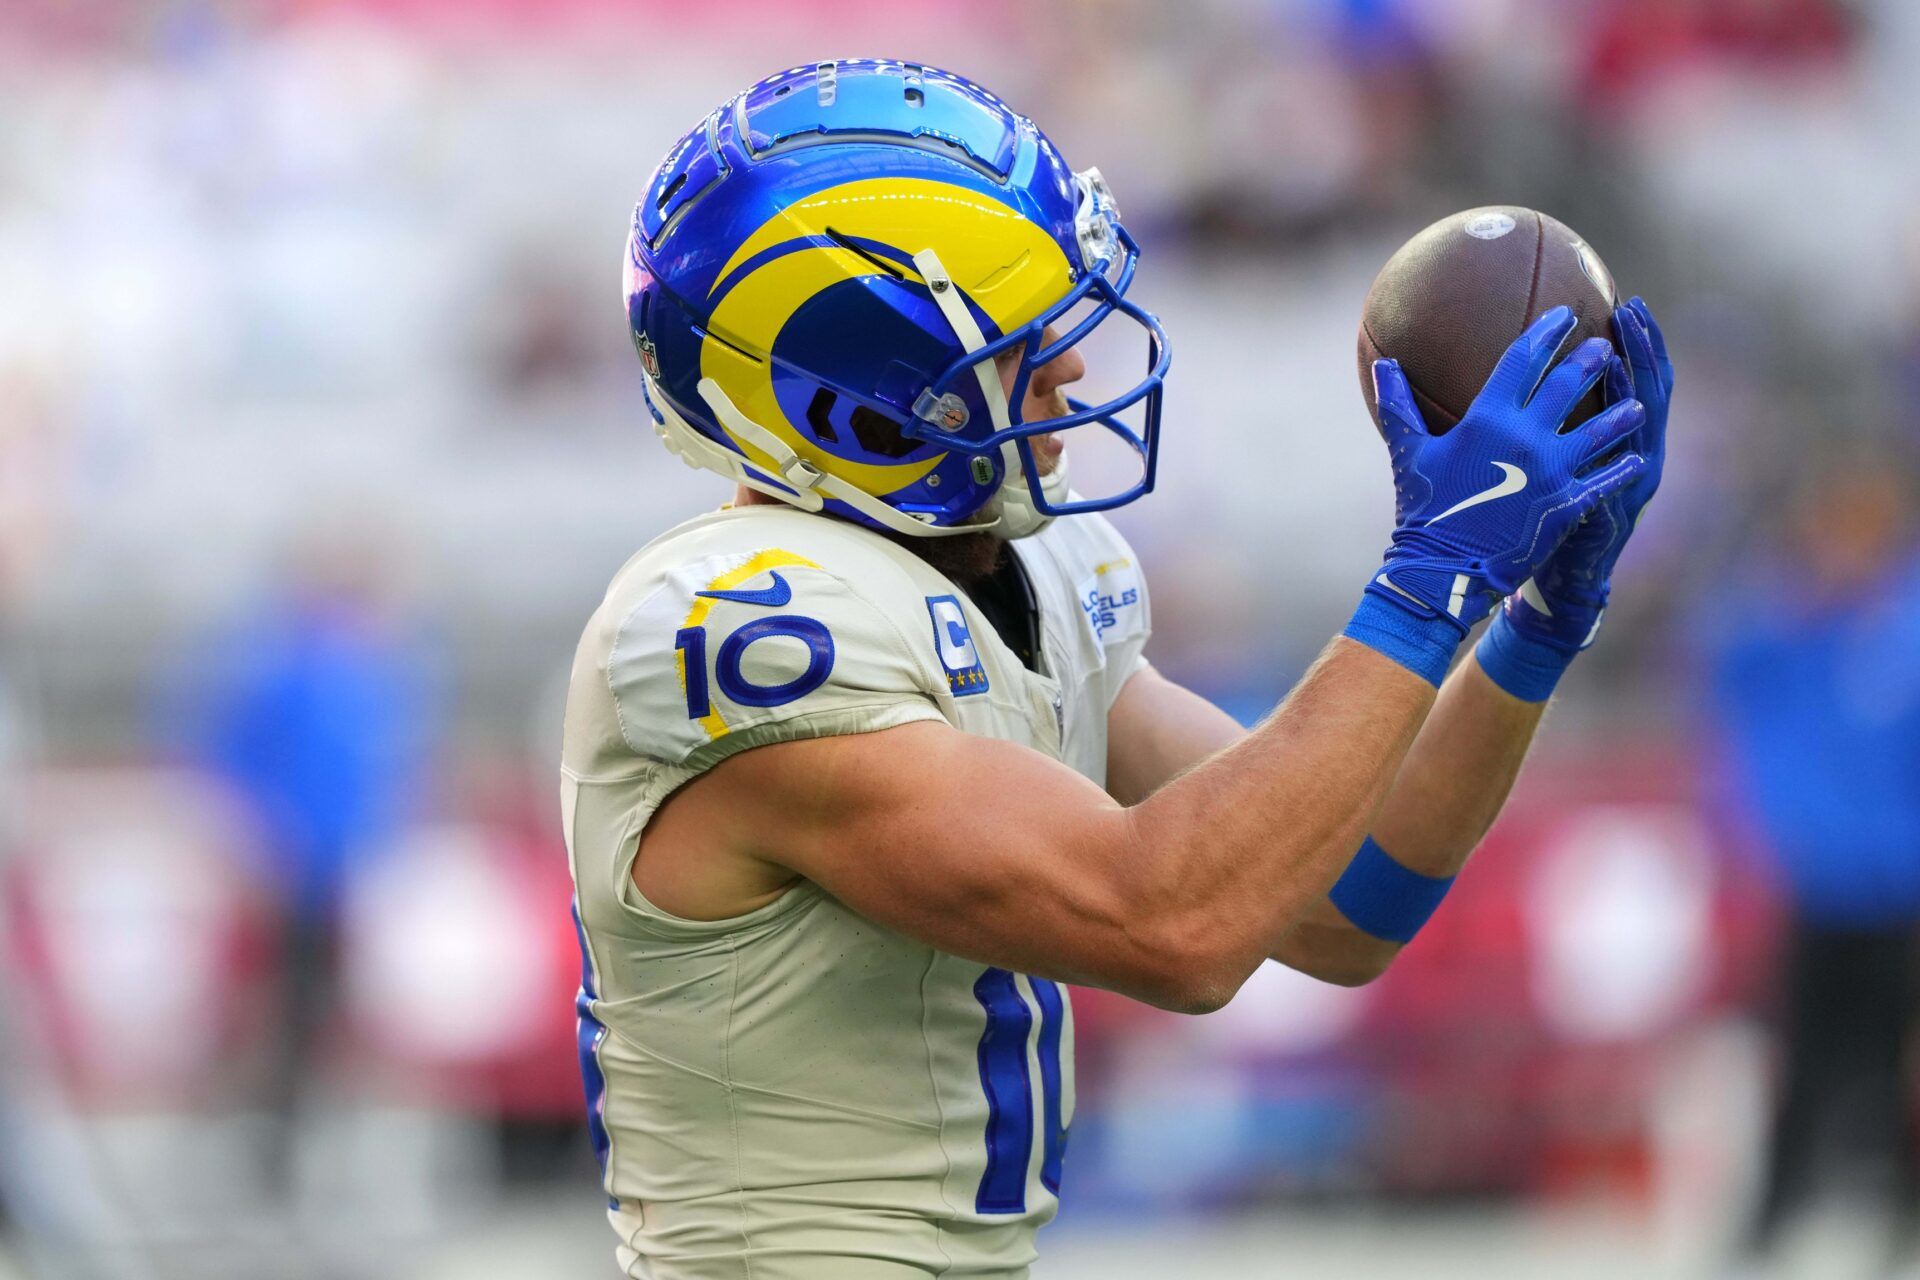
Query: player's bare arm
[(1450, 787), (1448, 790), (1017, 861), (1158, 729)]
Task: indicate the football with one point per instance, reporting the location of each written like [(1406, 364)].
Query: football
[(1450, 300)]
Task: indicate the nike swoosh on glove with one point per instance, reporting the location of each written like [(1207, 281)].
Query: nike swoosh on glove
[(1561, 605), (1480, 508)]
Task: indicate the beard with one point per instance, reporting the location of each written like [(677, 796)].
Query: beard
[(970, 558), (965, 559)]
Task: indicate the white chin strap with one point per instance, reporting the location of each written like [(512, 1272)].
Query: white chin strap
[(810, 486), (1011, 508)]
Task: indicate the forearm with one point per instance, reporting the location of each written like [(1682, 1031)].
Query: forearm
[(1457, 774), (1227, 857), (1158, 730), (1456, 777)]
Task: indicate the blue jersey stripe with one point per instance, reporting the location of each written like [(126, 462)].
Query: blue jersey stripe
[(1052, 1020), (1009, 1090), (590, 1032)]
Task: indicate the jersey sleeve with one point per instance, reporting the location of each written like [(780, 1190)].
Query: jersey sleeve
[(738, 650)]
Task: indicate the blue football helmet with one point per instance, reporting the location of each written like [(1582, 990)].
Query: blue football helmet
[(827, 274)]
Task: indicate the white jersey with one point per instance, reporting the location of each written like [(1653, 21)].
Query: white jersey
[(798, 1093)]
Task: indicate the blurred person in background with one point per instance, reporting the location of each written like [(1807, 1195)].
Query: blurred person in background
[(318, 712), (1815, 698)]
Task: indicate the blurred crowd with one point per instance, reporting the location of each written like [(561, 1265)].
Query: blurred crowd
[(320, 434)]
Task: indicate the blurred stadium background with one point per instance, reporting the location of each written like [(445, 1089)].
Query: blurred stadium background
[(320, 435)]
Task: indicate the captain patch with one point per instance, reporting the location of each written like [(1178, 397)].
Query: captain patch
[(953, 642)]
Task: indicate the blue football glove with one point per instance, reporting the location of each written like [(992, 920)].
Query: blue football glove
[(1561, 605), (1557, 612), (1481, 507)]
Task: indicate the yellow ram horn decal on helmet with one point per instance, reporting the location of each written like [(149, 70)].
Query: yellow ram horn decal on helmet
[(1009, 266)]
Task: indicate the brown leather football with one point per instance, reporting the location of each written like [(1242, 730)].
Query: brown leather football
[(1449, 302)]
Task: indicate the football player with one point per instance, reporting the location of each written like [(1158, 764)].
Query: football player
[(861, 769)]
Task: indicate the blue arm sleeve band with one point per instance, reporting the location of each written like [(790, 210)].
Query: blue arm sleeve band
[(1383, 898), (1424, 646), (1525, 667)]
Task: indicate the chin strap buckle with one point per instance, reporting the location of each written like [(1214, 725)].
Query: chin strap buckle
[(798, 472)]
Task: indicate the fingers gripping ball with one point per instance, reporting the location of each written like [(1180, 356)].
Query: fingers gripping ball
[(1463, 538)]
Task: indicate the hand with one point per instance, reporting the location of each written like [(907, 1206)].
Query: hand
[(1561, 605), (1480, 508)]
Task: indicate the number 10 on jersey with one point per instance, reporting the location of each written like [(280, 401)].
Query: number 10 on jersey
[(1008, 1083)]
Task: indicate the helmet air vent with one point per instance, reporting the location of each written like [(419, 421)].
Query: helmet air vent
[(877, 433), (819, 416), (683, 179)]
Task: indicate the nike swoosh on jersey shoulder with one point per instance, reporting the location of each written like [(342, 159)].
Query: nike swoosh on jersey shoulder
[(775, 596)]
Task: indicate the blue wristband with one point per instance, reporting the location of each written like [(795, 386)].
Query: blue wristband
[(1383, 898), (1424, 646), (1525, 667)]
